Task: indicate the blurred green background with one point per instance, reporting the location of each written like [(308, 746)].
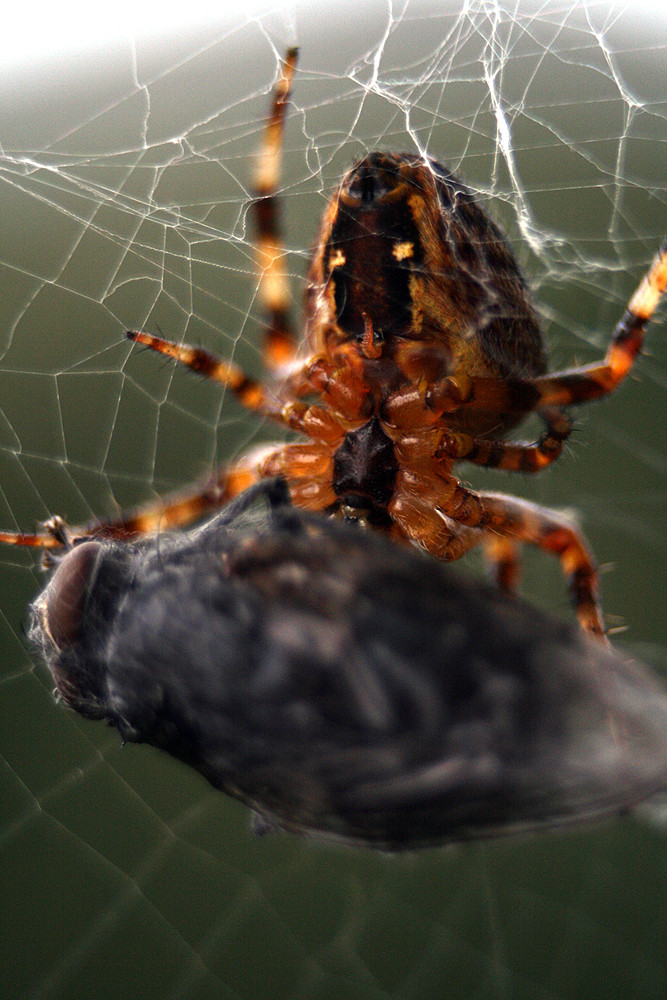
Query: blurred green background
[(124, 175)]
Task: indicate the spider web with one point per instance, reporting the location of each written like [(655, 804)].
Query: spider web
[(124, 178)]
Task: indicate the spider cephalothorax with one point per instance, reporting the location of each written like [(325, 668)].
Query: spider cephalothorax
[(421, 348)]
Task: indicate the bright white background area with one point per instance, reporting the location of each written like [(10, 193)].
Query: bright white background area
[(33, 31), (36, 31)]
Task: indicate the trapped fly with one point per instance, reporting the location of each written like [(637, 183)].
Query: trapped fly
[(346, 687)]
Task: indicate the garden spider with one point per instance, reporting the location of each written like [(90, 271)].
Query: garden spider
[(421, 348)]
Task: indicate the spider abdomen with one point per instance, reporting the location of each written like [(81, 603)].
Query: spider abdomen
[(405, 252)]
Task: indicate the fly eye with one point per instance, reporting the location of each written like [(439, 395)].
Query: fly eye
[(67, 593)]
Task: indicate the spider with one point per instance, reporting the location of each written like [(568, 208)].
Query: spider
[(421, 348)]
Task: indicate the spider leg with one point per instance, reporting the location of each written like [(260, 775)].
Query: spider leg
[(418, 514), (46, 539), (418, 517), (274, 293), (173, 512), (305, 466), (319, 423), (503, 559), (447, 519), (513, 456), (308, 466), (248, 391), (316, 421), (578, 385), (527, 522)]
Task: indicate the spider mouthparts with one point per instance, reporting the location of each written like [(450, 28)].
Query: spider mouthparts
[(371, 340)]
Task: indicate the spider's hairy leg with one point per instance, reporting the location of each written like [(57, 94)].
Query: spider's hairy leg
[(248, 391), (274, 293), (36, 540), (315, 421), (174, 512), (304, 466), (307, 468), (512, 456), (503, 559), (592, 381), (417, 516), (447, 519), (527, 522)]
